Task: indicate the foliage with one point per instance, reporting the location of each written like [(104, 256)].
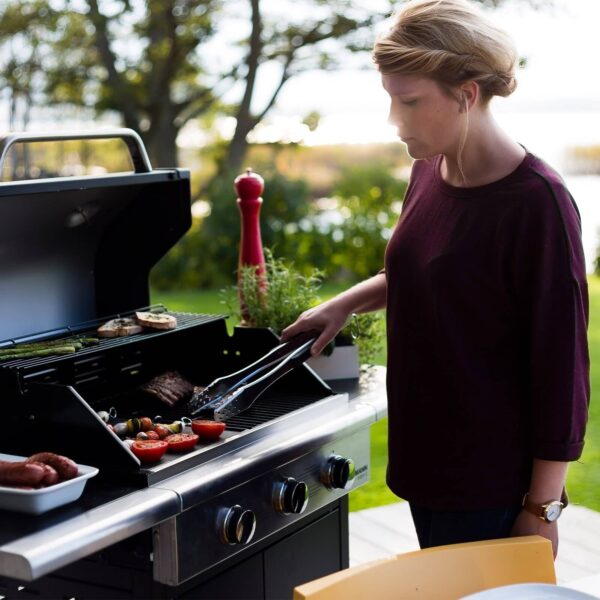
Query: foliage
[(344, 236), (66, 158), (207, 256), (158, 64), (286, 295), (25, 33), (583, 481), (376, 491), (367, 330)]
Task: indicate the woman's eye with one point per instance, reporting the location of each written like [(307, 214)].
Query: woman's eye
[(409, 102)]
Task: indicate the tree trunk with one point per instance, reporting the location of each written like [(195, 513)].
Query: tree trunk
[(236, 152), (162, 141), (245, 121)]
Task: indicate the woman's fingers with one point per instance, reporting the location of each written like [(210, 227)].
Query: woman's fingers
[(294, 329), (326, 336), (325, 318)]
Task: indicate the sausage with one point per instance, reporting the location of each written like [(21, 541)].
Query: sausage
[(50, 475), (21, 473), (64, 466)]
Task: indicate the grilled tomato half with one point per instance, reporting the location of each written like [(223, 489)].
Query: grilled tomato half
[(208, 430), (149, 451), (181, 442)]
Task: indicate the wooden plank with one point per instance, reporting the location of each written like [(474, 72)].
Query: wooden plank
[(389, 541)]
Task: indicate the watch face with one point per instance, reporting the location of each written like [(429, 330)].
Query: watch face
[(553, 512)]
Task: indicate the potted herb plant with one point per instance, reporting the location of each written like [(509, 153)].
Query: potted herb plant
[(286, 295)]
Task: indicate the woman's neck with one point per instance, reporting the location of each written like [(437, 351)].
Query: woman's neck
[(488, 155)]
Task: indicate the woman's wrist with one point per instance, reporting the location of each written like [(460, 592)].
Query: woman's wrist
[(547, 480), (363, 297)]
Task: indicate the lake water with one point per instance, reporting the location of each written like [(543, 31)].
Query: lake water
[(586, 191)]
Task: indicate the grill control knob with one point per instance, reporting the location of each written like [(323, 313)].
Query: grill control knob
[(238, 526), (338, 473), (290, 496)]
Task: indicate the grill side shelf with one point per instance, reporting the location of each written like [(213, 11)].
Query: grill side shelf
[(60, 419)]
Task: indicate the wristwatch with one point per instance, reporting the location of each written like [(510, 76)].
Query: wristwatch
[(547, 511)]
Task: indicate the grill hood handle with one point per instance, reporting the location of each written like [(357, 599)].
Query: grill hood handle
[(139, 157)]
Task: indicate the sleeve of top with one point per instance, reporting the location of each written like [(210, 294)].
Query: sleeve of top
[(407, 194), (552, 298)]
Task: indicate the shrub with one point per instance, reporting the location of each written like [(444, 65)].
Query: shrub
[(287, 294)]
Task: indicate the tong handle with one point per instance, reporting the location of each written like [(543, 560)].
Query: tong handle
[(139, 157), (245, 396), (228, 383)]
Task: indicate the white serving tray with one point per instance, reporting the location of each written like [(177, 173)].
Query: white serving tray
[(39, 501)]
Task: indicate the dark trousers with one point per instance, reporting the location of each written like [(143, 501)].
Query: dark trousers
[(441, 527)]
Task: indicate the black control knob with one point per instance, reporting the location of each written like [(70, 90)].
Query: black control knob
[(238, 525), (290, 496), (338, 473)]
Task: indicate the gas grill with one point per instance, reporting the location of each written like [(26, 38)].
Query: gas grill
[(265, 505)]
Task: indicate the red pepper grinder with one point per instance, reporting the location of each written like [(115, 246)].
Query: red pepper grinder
[(249, 186)]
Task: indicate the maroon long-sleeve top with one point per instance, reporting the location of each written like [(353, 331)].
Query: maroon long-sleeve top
[(487, 313)]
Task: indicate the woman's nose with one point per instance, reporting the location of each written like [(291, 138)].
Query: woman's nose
[(394, 118)]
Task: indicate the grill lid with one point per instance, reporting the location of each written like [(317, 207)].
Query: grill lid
[(75, 249)]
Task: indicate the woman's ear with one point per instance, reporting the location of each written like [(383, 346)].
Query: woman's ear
[(469, 95)]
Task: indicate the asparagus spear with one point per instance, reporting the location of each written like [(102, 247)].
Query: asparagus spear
[(18, 350), (39, 352), (78, 343)]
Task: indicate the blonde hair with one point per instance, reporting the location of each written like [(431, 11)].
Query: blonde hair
[(450, 41)]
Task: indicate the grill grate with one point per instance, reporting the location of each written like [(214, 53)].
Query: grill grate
[(268, 408), (184, 321)]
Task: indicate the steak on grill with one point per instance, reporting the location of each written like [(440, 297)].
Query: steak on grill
[(169, 387)]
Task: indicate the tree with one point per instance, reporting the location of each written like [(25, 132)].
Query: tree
[(24, 35), (296, 41), (158, 64)]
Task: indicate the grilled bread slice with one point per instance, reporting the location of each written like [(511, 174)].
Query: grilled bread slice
[(156, 320), (119, 328)]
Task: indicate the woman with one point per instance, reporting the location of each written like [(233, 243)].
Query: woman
[(485, 290)]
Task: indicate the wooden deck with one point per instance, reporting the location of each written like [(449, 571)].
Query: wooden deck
[(387, 530)]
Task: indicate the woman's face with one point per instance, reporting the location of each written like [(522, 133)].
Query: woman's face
[(428, 119)]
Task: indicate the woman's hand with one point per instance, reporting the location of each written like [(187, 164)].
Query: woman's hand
[(528, 524), (328, 318), (331, 316)]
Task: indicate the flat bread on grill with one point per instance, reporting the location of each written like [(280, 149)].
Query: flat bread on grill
[(156, 320), (169, 387), (119, 328)]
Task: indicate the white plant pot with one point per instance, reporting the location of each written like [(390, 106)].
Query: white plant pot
[(342, 363)]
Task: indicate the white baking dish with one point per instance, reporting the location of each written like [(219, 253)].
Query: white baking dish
[(39, 501)]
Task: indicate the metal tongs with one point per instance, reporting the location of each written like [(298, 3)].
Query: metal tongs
[(232, 394)]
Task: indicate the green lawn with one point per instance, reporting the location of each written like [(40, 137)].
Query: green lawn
[(584, 475)]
